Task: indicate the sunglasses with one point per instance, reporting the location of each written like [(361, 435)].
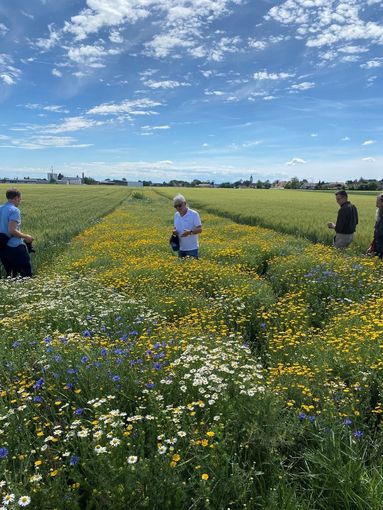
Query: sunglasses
[(178, 206)]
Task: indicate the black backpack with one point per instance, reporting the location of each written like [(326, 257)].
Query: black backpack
[(174, 242)]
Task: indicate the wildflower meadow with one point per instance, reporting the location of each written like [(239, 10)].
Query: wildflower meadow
[(249, 379)]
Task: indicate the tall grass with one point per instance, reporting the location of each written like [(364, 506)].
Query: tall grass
[(54, 214)]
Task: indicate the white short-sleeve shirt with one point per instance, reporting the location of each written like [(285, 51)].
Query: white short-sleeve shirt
[(189, 221)]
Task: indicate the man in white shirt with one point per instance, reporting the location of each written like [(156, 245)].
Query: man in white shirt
[(187, 225)]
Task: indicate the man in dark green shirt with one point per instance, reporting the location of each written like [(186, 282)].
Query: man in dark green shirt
[(346, 222)]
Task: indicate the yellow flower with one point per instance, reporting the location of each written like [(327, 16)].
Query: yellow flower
[(205, 476)]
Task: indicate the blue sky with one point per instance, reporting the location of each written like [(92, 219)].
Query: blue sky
[(185, 89)]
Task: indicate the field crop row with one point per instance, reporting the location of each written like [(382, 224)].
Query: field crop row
[(248, 379), (300, 213)]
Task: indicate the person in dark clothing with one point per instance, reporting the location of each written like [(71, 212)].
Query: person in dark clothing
[(376, 247), (346, 222), (14, 256)]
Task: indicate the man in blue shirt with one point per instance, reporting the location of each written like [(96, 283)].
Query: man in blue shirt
[(14, 257)]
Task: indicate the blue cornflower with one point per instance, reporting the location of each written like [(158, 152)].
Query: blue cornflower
[(312, 419), (358, 434), (157, 345), (116, 378), (104, 352), (86, 333), (74, 460), (84, 359), (150, 385), (133, 332), (347, 421), (302, 416), (48, 339), (263, 325), (38, 383), (3, 452), (79, 411), (16, 344), (37, 398), (157, 366), (72, 371)]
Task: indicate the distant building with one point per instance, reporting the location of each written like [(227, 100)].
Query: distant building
[(52, 176), (70, 180), (279, 184)]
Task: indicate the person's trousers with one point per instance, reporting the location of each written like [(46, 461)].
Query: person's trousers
[(16, 261), (342, 241)]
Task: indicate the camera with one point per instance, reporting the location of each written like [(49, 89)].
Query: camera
[(30, 248)]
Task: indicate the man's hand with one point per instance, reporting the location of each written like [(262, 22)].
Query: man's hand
[(28, 238), (330, 224), (186, 233)]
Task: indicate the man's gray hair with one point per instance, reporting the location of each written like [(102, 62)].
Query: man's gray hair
[(179, 199)]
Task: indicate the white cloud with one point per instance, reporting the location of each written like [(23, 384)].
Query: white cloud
[(45, 142), (369, 160), (131, 107), (327, 22), (7, 79), (162, 45), (50, 108), (91, 56), (57, 73), (71, 124), (214, 93), (155, 128), (295, 161), (223, 46), (49, 42), (116, 37), (372, 64), (256, 44), (9, 74), (306, 85), (165, 84), (264, 75), (3, 29), (345, 139), (368, 142)]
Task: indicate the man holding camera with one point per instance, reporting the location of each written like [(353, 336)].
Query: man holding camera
[(15, 254)]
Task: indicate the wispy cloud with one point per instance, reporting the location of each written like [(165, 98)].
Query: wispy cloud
[(165, 84), (130, 107), (265, 75), (295, 161)]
